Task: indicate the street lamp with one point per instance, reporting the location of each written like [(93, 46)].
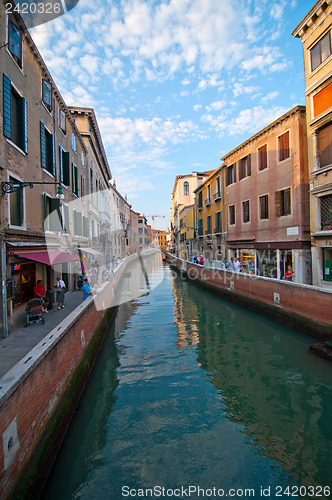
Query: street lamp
[(12, 186)]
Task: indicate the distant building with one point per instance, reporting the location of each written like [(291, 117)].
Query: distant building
[(133, 231), (266, 193), (315, 32), (160, 238), (142, 232), (188, 231), (183, 195), (211, 218)]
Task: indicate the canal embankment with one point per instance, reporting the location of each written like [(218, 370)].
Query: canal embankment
[(39, 395), (305, 307)]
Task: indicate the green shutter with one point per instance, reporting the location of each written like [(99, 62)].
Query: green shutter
[(44, 210), (53, 156), (66, 168), (42, 145), (25, 125), (7, 116), (61, 163), (73, 176), (55, 217)]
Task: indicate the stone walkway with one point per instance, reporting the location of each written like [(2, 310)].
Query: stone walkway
[(22, 340)]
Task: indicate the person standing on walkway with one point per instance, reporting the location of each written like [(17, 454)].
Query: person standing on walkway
[(87, 290), (231, 265), (61, 287), (201, 260)]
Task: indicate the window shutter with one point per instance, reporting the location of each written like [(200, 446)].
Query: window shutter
[(73, 177), (287, 201), (60, 163), (249, 164), (240, 169), (278, 203), (42, 145), (7, 117), (66, 168), (44, 210), (53, 155), (55, 219), (25, 125)]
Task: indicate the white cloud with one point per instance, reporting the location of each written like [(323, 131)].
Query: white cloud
[(251, 120), (270, 96), (240, 88)]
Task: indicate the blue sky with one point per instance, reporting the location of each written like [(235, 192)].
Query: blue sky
[(175, 84)]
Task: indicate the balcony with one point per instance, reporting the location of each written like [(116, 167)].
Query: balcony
[(208, 231), (217, 230), (217, 196), (207, 202)]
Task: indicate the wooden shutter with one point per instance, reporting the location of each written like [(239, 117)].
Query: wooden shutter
[(25, 125), (61, 163), (7, 116), (287, 202), (55, 217), (325, 146), (53, 155), (66, 168), (278, 203), (42, 145), (249, 164)]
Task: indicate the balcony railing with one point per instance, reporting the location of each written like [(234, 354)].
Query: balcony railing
[(207, 202), (199, 207), (208, 231), (216, 196), (217, 229)]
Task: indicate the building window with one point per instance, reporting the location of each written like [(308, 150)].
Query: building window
[(62, 121), (186, 189), (218, 186), (209, 193), (82, 185), (208, 225), (15, 115), (325, 146), (262, 157), (231, 211), (73, 141), (15, 42), (47, 94), (52, 214), (82, 158), (64, 164), (245, 167), (245, 211), (47, 158), (16, 206), (74, 175), (326, 212), (217, 228), (200, 200), (78, 223), (264, 206), (321, 51), (283, 202), (200, 227), (230, 175), (283, 141)]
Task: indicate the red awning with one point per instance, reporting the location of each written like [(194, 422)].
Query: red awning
[(50, 258)]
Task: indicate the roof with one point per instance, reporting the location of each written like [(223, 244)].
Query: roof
[(296, 109), (307, 20)]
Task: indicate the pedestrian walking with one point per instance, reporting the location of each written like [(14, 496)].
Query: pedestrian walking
[(87, 289)]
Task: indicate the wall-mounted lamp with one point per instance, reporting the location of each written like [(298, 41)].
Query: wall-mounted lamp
[(12, 186)]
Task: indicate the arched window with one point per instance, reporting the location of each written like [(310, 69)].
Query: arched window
[(186, 188)]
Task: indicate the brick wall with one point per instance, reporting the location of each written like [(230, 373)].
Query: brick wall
[(300, 305), (38, 396)]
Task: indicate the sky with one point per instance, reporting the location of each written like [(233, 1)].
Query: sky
[(175, 84)]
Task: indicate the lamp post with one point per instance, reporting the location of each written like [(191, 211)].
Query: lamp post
[(7, 188)]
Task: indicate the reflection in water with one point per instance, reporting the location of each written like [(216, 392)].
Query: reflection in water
[(197, 391)]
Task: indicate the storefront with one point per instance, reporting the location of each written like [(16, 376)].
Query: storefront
[(327, 264), (24, 279)]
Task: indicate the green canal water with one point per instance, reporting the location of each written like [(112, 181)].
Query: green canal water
[(190, 391)]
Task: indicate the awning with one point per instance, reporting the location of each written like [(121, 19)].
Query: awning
[(50, 258), (91, 251)]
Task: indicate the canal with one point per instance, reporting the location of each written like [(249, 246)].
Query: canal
[(191, 391)]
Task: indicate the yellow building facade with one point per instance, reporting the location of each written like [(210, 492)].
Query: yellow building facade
[(211, 222), (315, 32)]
